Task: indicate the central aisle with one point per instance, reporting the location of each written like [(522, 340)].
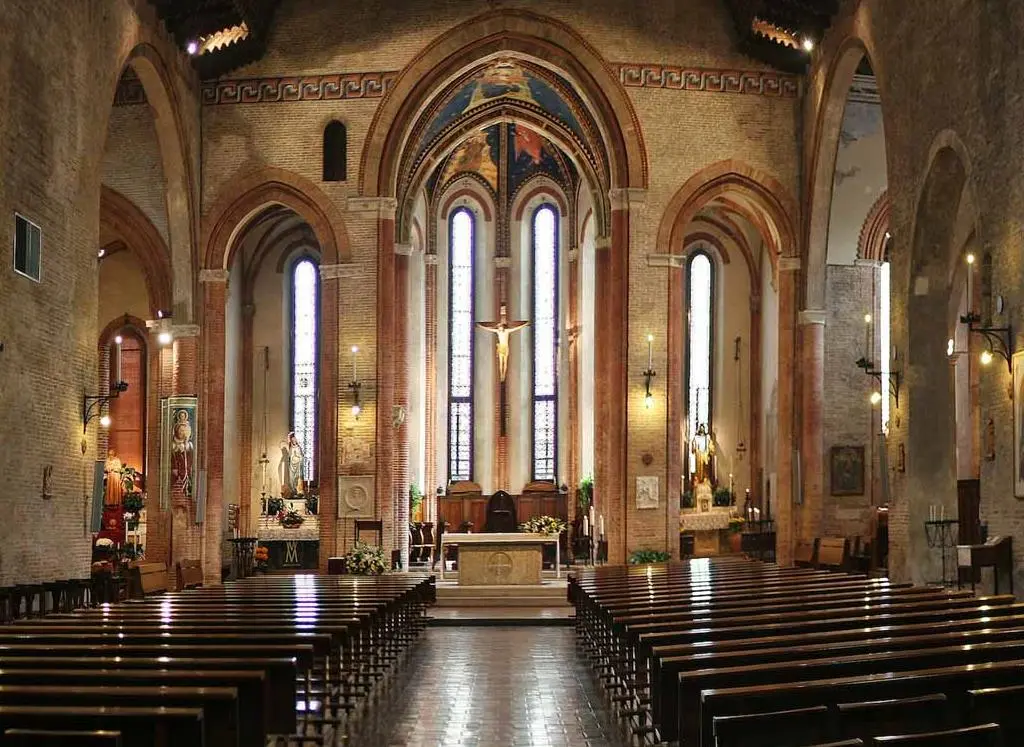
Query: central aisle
[(492, 687)]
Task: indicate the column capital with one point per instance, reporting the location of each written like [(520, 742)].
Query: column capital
[(603, 242), (811, 316), (403, 249), (789, 264), (430, 259), (623, 198), (344, 270), (574, 255), (503, 263), (665, 260), (385, 207), (180, 331), (214, 276)]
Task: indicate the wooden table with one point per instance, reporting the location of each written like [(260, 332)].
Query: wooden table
[(513, 558)]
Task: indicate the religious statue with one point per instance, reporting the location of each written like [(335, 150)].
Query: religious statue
[(182, 452), (290, 467), (502, 329), (703, 448), (112, 479)]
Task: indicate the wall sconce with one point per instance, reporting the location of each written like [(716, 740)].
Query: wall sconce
[(998, 339), (92, 404), (649, 373), (894, 381), (355, 385)]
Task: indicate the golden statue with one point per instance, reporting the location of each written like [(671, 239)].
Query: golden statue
[(502, 329), (703, 448)]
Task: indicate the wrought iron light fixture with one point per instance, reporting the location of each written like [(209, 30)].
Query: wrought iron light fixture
[(355, 385), (649, 373), (997, 339)]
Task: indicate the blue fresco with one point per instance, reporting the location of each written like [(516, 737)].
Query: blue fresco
[(530, 154)]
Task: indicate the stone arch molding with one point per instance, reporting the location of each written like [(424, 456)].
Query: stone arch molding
[(172, 138), (247, 195), (514, 32)]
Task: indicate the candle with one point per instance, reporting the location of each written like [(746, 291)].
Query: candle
[(117, 359), (601, 525), (650, 352), (970, 274), (867, 337), (586, 527), (355, 352), (730, 483), (591, 514)]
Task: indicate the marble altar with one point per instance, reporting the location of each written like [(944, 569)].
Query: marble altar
[(512, 558)]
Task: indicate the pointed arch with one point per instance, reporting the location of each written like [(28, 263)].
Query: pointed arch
[(122, 217)]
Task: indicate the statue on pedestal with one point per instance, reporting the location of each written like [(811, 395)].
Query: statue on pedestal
[(113, 489), (290, 467)]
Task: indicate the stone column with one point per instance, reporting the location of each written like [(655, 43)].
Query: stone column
[(401, 400), (327, 408), (782, 501), (812, 393), (430, 395), (756, 401), (158, 522), (385, 437)]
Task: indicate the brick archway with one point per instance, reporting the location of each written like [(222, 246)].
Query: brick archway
[(244, 197), (121, 216), (874, 232), (514, 31)]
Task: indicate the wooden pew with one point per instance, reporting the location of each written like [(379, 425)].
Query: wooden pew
[(54, 738), (1003, 705), (138, 726), (985, 735), (190, 574)]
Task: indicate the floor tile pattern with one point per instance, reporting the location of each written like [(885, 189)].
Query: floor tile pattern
[(491, 687)]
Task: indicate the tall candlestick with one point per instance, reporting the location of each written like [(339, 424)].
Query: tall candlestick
[(586, 527), (650, 352), (601, 525), (867, 337), (730, 483), (355, 352), (970, 276), (591, 516)]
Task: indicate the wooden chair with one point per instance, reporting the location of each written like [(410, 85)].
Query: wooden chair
[(985, 735), (833, 553), (370, 525), (190, 574), (427, 543), (501, 513), (805, 554)]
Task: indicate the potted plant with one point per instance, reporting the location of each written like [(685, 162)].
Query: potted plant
[(291, 520), (275, 505), (132, 498), (585, 493), (687, 499), (735, 533), (260, 558), (415, 499), (365, 560), (642, 557), (722, 497), (312, 502)]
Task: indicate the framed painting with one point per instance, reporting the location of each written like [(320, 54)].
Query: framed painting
[(179, 424), (846, 468), (1018, 424)]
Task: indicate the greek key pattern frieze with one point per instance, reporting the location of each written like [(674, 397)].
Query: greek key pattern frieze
[(333, 87), (706, 80)]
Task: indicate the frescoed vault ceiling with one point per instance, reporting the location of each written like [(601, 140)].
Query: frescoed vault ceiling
[(527, 154), (505, 88)]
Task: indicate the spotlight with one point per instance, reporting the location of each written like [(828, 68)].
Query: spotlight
[(876, 397), (356, 409), (649, 401), (118, 340), (105, 421), (867, 318), (808, 44), (192, 47), (986, 357), (100, 253), (949, 347), (164, 338), (970, 259)]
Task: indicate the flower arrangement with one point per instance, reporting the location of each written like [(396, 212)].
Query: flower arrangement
[(642, 557), (365, 560), (736, 524), (133, 500), (105, 542), (290, 519), (543, 525), (312, 503), (260, 557), (275, 505)]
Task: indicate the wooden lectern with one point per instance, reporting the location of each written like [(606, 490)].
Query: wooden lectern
[(996, 553)]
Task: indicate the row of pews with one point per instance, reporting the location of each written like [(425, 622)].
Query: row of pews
[(728, 652), (268, 660)]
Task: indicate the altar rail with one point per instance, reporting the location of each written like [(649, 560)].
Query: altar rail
[(472, 507)]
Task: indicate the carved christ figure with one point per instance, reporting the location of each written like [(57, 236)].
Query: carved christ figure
[(502, 329)]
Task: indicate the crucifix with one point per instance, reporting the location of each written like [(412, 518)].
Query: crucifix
[(502, 329)]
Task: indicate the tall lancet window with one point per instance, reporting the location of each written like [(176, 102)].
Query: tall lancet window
[(700, 309), (461, 243), (545, 343), (305, 335)]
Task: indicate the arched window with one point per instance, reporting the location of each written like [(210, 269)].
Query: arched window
[(700, 311), (335, 152), (545, 343), (461, 243), (305, 287)]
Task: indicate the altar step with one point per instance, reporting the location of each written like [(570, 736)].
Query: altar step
[(550, 594)]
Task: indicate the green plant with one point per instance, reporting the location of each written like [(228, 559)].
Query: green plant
[(415, 498), (642, 557), (365, 560), (275, 505), (312, 503), (585, 493), (687, 500), (543, 525), (721, 497), (291, 520), (736, 524)]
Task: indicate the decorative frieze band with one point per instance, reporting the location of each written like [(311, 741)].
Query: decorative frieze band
[(602, 242), (330, 87), (213, 276), (708, 80), (343, 270), (574, 254)]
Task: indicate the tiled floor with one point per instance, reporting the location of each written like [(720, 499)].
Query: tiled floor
[(491, 687)]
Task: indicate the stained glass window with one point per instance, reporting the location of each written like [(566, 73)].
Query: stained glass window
[(460, 346), (305, 332), (545, 343), (700, 296)]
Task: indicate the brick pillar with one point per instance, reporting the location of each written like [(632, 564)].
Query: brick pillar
[(252, 370), (610, 386), (782, 501), (754, 415), (812, 392), (211, 406), (401, 395), (430, 395), (327, 413), (385, 437), (158, 524)]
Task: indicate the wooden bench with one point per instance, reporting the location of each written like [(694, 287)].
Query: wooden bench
[(138, 726), (985, 735), (148, 579), (805, 554), (833, 553), (190, 574), (52, 738)]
